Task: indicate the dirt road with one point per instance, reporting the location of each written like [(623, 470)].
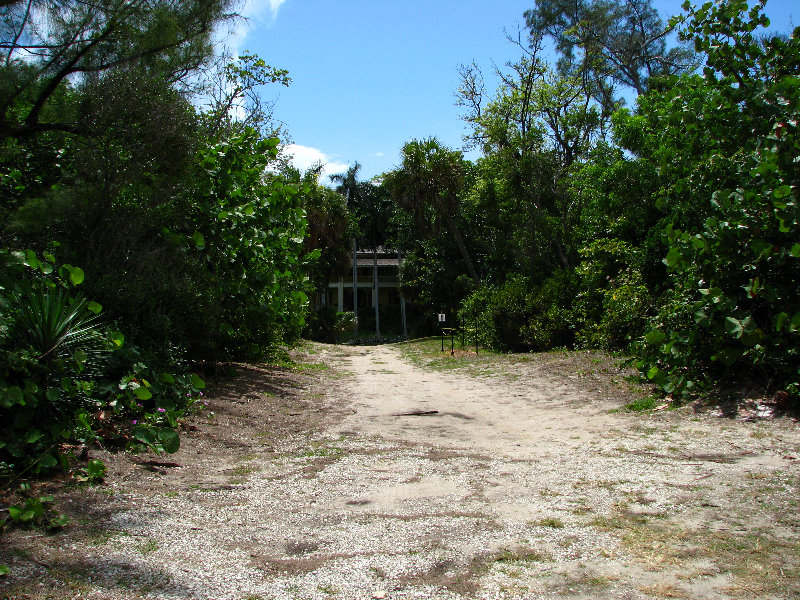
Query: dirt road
[(376, 472)]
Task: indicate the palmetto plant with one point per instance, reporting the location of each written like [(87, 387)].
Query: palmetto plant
[(53, 325)]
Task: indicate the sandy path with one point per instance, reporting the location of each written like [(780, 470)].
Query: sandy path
[(523, 484), (538, 416)]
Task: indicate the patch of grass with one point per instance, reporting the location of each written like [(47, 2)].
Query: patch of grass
[(378, 572), (243, 470), (553, 522), (103, 537), (321, 449), (642, 404), (310, 367), (583, 506), (665, 590), (327, 588), (521, 555), (756, 560), (148, 547)]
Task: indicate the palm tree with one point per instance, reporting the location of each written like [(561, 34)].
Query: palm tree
[(431, 177), (349, 187), (373, 219), (371, 208)]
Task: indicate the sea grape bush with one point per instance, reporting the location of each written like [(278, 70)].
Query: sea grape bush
[(679, 228), (59, 374), (727, 151)]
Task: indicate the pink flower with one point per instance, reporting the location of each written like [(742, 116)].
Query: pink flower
[(161, 410)]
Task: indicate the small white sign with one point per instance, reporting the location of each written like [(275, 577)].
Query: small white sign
[(441, 318)]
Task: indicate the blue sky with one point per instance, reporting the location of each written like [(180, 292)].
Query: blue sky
[(369, 75)]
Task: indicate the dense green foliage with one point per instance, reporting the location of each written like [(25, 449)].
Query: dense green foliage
[(669, 230), (728, 155), (182, 227)]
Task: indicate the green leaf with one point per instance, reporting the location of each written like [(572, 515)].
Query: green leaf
[(4, 570), (199, 240), (58, 522), (11, 397), (734, 327), (142, 393), (166, 378), (33, 436), (48, 461), (15, 450), (15, 512), (94, 307), (795, 251), (782, 191), (655, 337), (170, 440), (737, 328), (83, 418), (197, 382), (31, 260), (674, 257), (144, 435), (117, 338), (76, 275), (96, 469)]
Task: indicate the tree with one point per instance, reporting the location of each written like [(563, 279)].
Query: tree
[(371, 209), (726, 148), (50, 45), (608, 43), (235, 101), (350, 187), (533, 130), (330, 227), (427, 184)]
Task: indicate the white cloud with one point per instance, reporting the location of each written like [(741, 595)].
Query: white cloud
[(255, 13), (256, 9), (379, 154), (305, 157)]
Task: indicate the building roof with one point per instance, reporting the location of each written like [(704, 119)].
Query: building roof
[(386, 258), (367, 261)]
